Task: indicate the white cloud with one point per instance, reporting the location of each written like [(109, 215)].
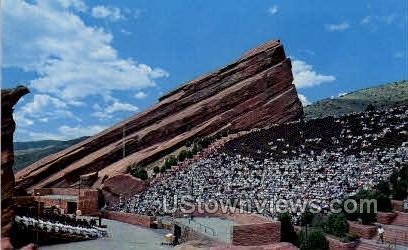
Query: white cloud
[(41, 101), (303, 99), (125, 32), (337, 27), (342, 94), (304, 75), (140, 95), (73, 60), (75, 4), (399, 55), (78, 131), (42, 108), (22, 120), (385, 19), (366, 19), (116, 106), (107, 12), (273, 10), (65, 133)]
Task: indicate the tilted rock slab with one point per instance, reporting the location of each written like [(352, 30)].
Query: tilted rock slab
[(254, 91), (9, 97)]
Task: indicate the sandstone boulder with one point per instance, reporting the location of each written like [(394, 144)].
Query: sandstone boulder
[(121, 186)]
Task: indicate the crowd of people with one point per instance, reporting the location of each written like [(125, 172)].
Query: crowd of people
[(321, 159)]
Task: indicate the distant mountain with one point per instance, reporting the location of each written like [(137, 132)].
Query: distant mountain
[(387, 95), (26, 153)]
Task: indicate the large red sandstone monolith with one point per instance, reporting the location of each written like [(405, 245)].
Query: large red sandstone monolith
[(254, 91), (9, 97)]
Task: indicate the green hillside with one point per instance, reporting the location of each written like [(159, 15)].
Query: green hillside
[(382, 96), (31, 151)]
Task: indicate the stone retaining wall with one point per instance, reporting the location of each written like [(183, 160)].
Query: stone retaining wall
[(134, 219), (256, 234), (385, 218), (336, 244), (364, 231), (401, 219), (397, 205)]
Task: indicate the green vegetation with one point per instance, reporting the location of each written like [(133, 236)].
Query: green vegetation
[(182, 155), (312, 240), (387, 95), (365, 210), (337, 225), (384, 188), (138, 172), (156, 169), (288, 233), (399, 183)]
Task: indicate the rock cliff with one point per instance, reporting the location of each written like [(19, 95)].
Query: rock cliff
[(9, 97), (254, 91)]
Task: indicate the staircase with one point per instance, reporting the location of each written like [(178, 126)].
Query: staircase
[(395, 235), (376, 245)]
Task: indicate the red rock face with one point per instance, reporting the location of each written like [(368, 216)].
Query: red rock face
[(254, 91), (121, 186), (9, 98)]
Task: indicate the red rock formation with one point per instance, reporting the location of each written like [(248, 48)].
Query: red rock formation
[(9, 98), (121, 186), (254, 91)]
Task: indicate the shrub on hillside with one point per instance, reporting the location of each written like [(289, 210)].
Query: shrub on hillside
[(189, 154), (138, 172), (365, 210), (163, 169), (383, 203), (337, 225), (399, 191), (399, 182), (306, 218), (288, 233), (182, 155), (383, 187), (312, 240)]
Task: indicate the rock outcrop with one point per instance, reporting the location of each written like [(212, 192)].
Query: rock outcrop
[(254, 91), (9, 97), (120, 187)]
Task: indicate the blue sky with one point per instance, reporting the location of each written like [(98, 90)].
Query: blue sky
[(90, 64)]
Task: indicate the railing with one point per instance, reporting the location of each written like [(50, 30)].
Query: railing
[(392, 242), (203, 226)]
